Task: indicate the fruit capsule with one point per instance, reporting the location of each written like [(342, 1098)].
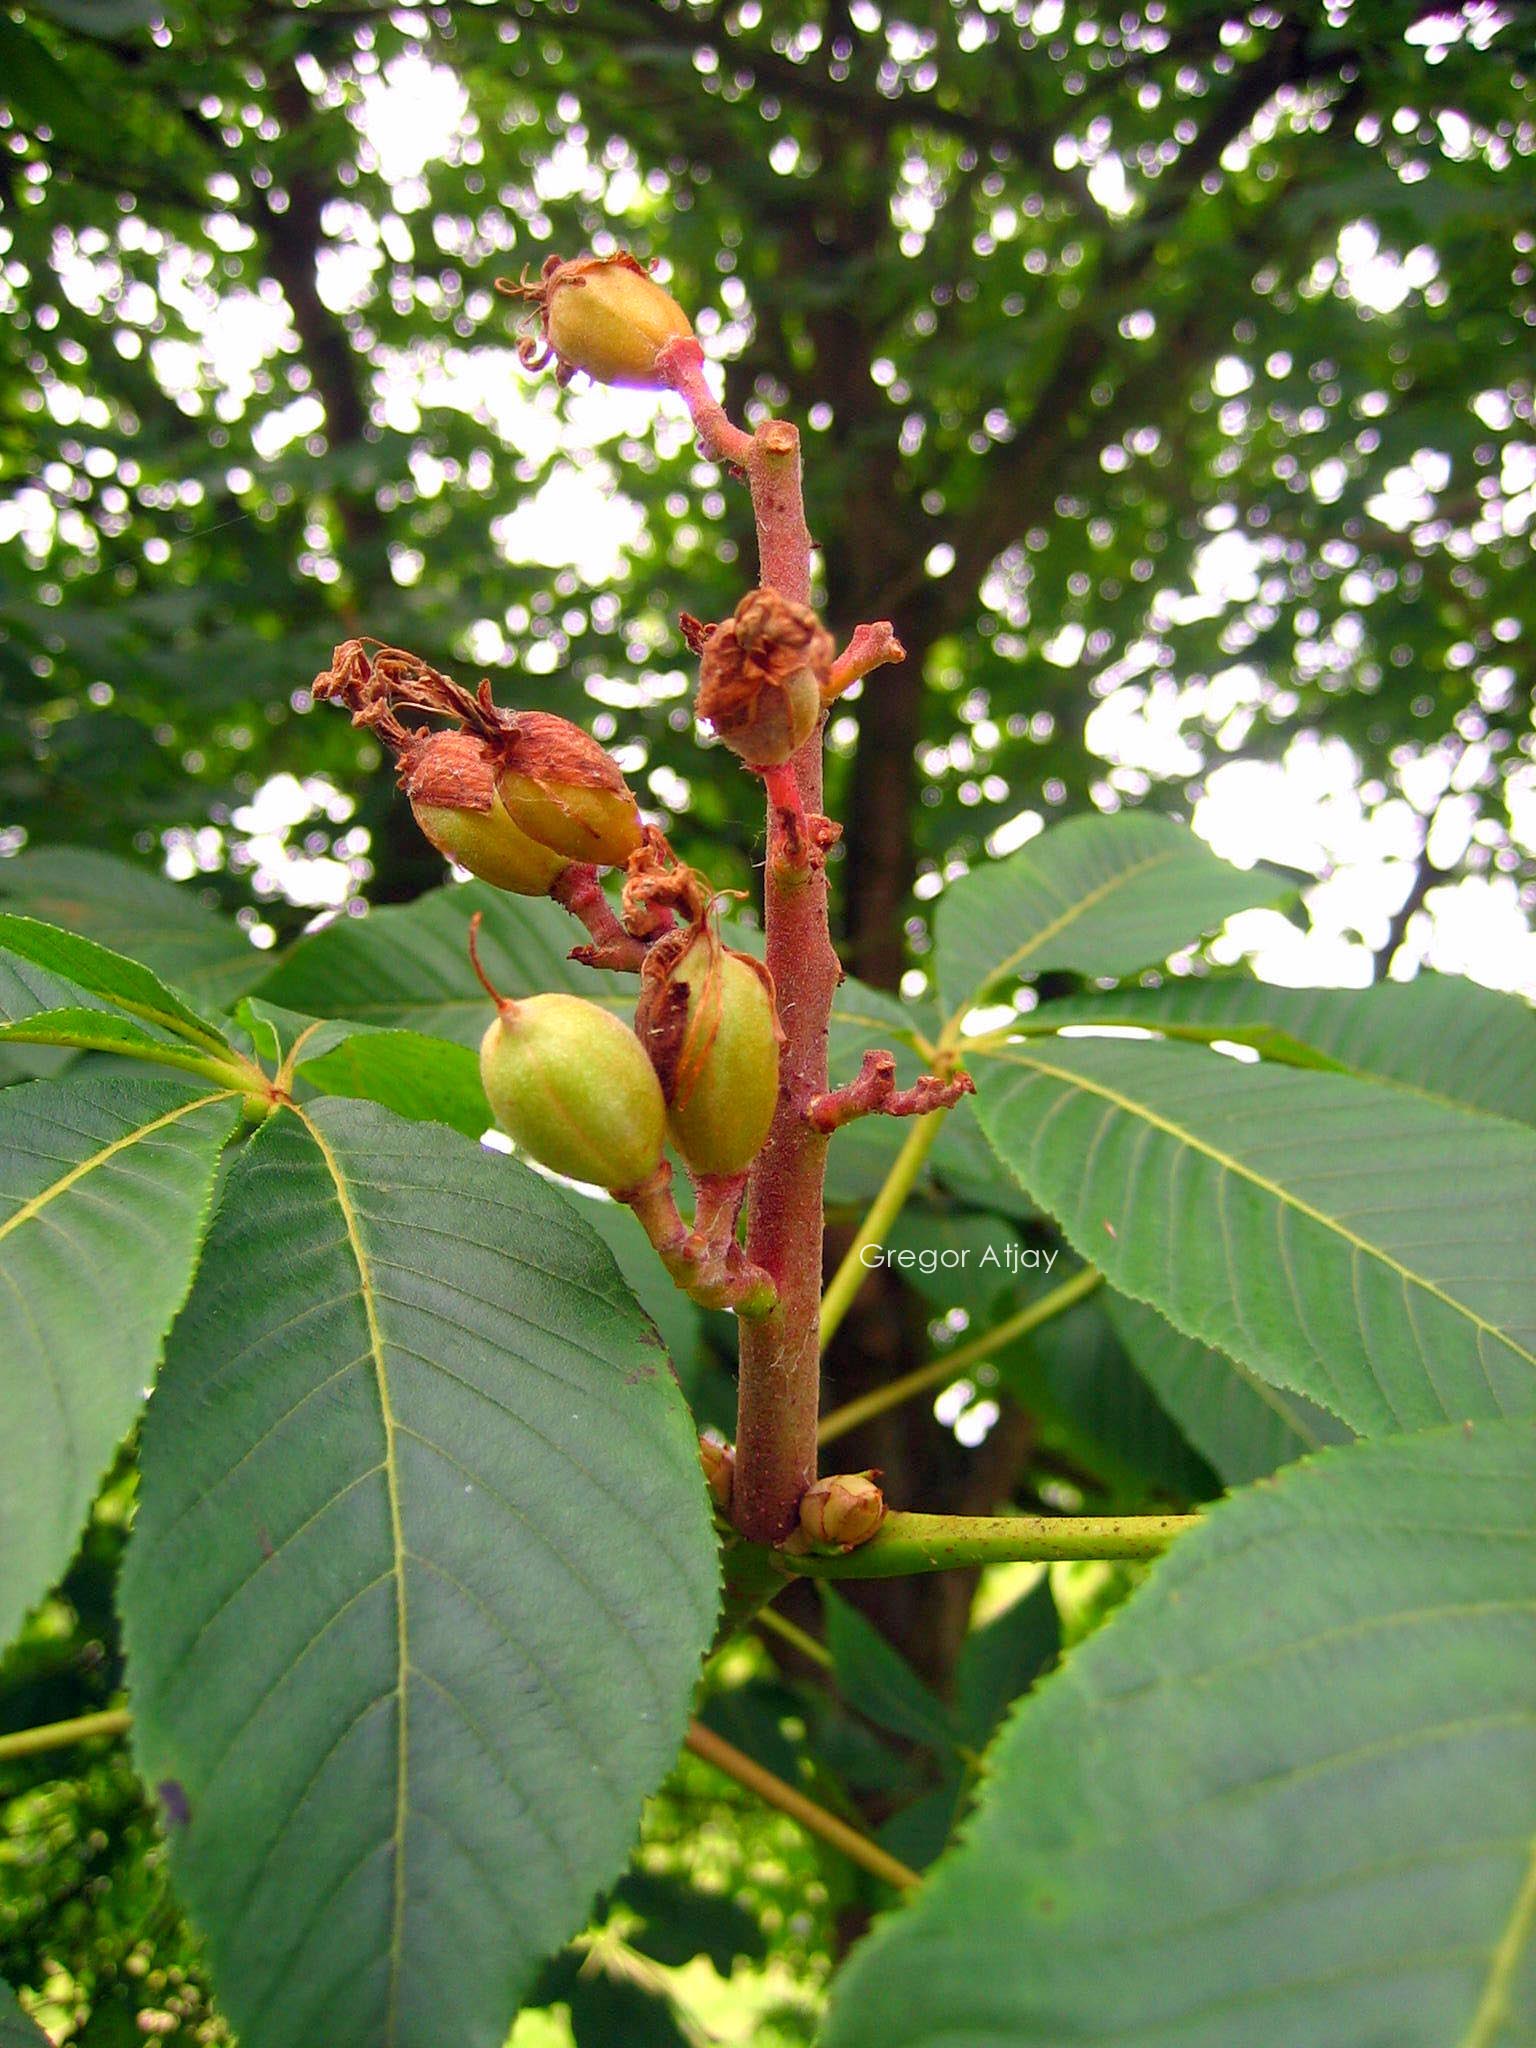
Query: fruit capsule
[(450, 778), (572, 1085), (564, 791), (605, 315), (706, 1017)]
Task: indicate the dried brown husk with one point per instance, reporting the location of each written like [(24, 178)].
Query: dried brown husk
[(761, 676)]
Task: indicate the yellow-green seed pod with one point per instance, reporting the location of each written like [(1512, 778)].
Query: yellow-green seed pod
[(609, 317), (450, 778), (564, 791), (571, 1084), (707, 1019)]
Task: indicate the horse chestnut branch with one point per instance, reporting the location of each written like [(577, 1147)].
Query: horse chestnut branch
[(727, 1057)]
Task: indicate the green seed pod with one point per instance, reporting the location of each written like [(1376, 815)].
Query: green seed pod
[(450, 778), (564, 791), (572, 1085), (706, 1017), (602, 314)]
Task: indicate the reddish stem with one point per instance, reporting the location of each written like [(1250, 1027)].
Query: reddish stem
[(579, 890), (873, 1092), (681, 364), (871, 647), (708, 1265), (780, 1355)]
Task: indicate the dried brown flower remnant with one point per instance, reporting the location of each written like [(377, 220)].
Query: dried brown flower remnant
[(761, 674), (659, 886), (602, 314), (529, 771)]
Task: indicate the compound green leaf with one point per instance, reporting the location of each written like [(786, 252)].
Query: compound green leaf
[(122, 905), (1287, 1795), (1096, 896), (104, 1193), (1367, 1248), (109, 977), (425, 1079), (1245, 1426), (420, 1582), (1003, 1658), (1439, 1034), (877, 1681)]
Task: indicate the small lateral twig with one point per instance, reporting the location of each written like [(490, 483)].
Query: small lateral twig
[(905, 1545), (578, 890), (870, 647), (858, 1848), (707, 1263), (873, 1092), (938, 1372), (60, 1734)]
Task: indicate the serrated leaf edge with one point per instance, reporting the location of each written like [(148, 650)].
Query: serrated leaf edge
[(1145, 1114)]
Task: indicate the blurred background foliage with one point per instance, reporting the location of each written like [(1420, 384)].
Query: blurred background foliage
[(1165, 372)]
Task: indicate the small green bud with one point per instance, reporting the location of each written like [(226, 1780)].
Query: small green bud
[(572, 1085), (845, 1509), (450, 778), (706, 1017), (602, 314)]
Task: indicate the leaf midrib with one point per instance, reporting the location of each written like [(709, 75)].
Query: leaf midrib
[(35, 1204), (1493, 2007), (367, 1295), (1240, 1171)]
